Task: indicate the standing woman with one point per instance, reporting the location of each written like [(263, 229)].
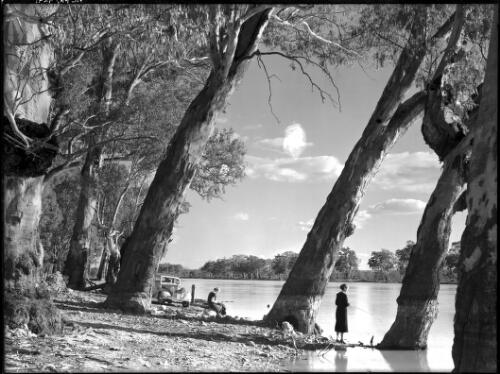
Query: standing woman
[(341, 313)]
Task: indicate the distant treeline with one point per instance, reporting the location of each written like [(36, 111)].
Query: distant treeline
[(386, 266)]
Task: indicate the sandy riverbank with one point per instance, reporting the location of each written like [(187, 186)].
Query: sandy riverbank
[(180, 339)]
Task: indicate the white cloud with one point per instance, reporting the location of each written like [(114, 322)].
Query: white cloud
[(399, 206), (294, 142), (304, 169), (412, 172), (241, 216), (275, 144), (361, 217), (306, 225), (389, 207)]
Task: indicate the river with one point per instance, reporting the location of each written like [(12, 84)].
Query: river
[(372, 311)]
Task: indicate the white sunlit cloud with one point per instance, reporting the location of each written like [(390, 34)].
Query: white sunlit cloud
[(293, 143), (361, 217), (241, 216), (389, 207), (304, 169), (409, 171)]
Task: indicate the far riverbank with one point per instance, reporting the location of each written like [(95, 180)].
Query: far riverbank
[(355, 276)]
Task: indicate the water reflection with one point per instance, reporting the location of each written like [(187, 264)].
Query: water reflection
[(406, 360), (341, 360), (372, 311)]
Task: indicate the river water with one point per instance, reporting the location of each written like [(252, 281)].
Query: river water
[(372, 311)]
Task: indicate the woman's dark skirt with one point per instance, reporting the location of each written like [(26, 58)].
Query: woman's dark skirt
[(341, 320)]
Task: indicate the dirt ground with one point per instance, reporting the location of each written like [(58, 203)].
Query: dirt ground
[(172, 338)]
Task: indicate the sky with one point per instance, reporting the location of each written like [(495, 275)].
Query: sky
[(292, 165)]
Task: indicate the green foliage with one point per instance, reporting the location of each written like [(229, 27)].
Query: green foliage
[(403, 256), (222, 164), (346, 261), (450, 262), (382, 261), (283, 263)]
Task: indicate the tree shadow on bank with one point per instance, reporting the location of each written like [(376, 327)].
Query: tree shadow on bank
[(207, 336)]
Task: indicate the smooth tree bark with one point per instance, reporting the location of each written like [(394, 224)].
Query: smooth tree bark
[(300, 297), (417, 302), (475, 325), (27, 154), (27, 57), (231, 47)]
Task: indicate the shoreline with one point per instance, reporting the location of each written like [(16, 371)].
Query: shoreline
[(283, 280), (170, 338)]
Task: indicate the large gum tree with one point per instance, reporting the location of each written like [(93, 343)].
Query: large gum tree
[(300, 297), (475, 325), (450, 137), (234, 34), (28, 152)]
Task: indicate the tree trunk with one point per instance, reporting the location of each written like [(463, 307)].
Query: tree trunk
[(23, 253), (113, 263), (78, 255), (26, 158), (300, 297), (475, 325), (417, 302), (79, 251), (147, 244), (103, 262)]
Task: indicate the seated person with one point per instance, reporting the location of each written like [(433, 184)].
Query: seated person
[(219, 308)]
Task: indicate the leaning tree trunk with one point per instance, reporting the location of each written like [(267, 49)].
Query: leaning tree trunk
[(79, 252), (475, 326), (417, 302), (27, 155), (147, 244), (300, 297)]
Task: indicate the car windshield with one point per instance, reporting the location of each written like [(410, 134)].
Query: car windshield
[(170, 280)]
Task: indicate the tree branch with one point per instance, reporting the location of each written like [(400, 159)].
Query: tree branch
[(12, 122), (296, 59), (61, 168), (452, 42), (263, 66)]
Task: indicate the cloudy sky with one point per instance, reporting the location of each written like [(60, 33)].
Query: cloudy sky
[(292, 165)]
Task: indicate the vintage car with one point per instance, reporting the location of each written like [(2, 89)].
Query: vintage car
[(168, 289)]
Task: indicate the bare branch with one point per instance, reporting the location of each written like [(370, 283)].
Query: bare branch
[(262, 65), (323, 94), (12, 122), (328, 41)]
